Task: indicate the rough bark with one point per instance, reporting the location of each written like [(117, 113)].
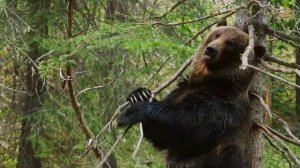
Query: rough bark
[(254, 144), (298, 83), (297, 53), (31, 102)]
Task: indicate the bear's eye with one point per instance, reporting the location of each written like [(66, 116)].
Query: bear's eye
[(230, 45), (217, 36)]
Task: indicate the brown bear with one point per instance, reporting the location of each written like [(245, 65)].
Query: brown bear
[(205, 121)]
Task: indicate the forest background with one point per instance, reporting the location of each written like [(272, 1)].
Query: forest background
[(66, 67)]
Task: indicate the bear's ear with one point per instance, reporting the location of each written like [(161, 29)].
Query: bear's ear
[(259, 51), (222, 22)]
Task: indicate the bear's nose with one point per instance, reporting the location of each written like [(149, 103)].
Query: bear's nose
[(210, 53)]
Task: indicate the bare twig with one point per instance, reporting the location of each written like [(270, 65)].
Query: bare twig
[(163, 86), (249, 48), (108, 153), (269, 57), (174, 77), (280, 150), (75, 103), (294, 141), (288, 131), (90, 146), (116, 113), (13, 90), (95, 87), (207, 27), (80, 157), (158, 70), (278, 69), (265, 106), (273, 76), (281, 143), (172, 8), (274, 32), (196, 20), (139, 142), (48, 53), (288, 41), (279, 135)]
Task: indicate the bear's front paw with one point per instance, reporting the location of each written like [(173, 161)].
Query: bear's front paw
[(130, 117), (139, 95)]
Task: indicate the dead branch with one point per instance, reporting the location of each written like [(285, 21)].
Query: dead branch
[(174, 77), (294, 139), (95, 87), (196, 20), (249, 48), (273, 76), (287, 129), (13, 90), (44, 55), (207, 27), (288, 41), (270, 57), (278, 69), (265, 106), (139, 142), (108, 153), (91, 145), (156, 91), (280, 150), (280, 142), (80, 157), (283, 137), (276, 33), (163, 86), (172, 8), (75, 104), (110, 122), (158, 70)]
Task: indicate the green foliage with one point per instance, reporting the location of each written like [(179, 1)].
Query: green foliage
[(118, 56), (274, 158)]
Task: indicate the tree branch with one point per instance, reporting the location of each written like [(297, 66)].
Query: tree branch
[(207, 27), (288, 41), (249, 48), (280, 150), (172, 8), (75, 104), (273, 76), (279, 135), (196, 20), (294, 141), (174, 77), (281, 143), (288, 131), (269, 57), (262, 102), (274, 32), (278, 69)]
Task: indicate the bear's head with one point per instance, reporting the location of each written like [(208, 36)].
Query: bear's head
[(221, 50)]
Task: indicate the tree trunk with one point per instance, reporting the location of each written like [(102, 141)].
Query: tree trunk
[(31, 102), (298, 83), (297, 53), (116, 9), (254, 146)]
